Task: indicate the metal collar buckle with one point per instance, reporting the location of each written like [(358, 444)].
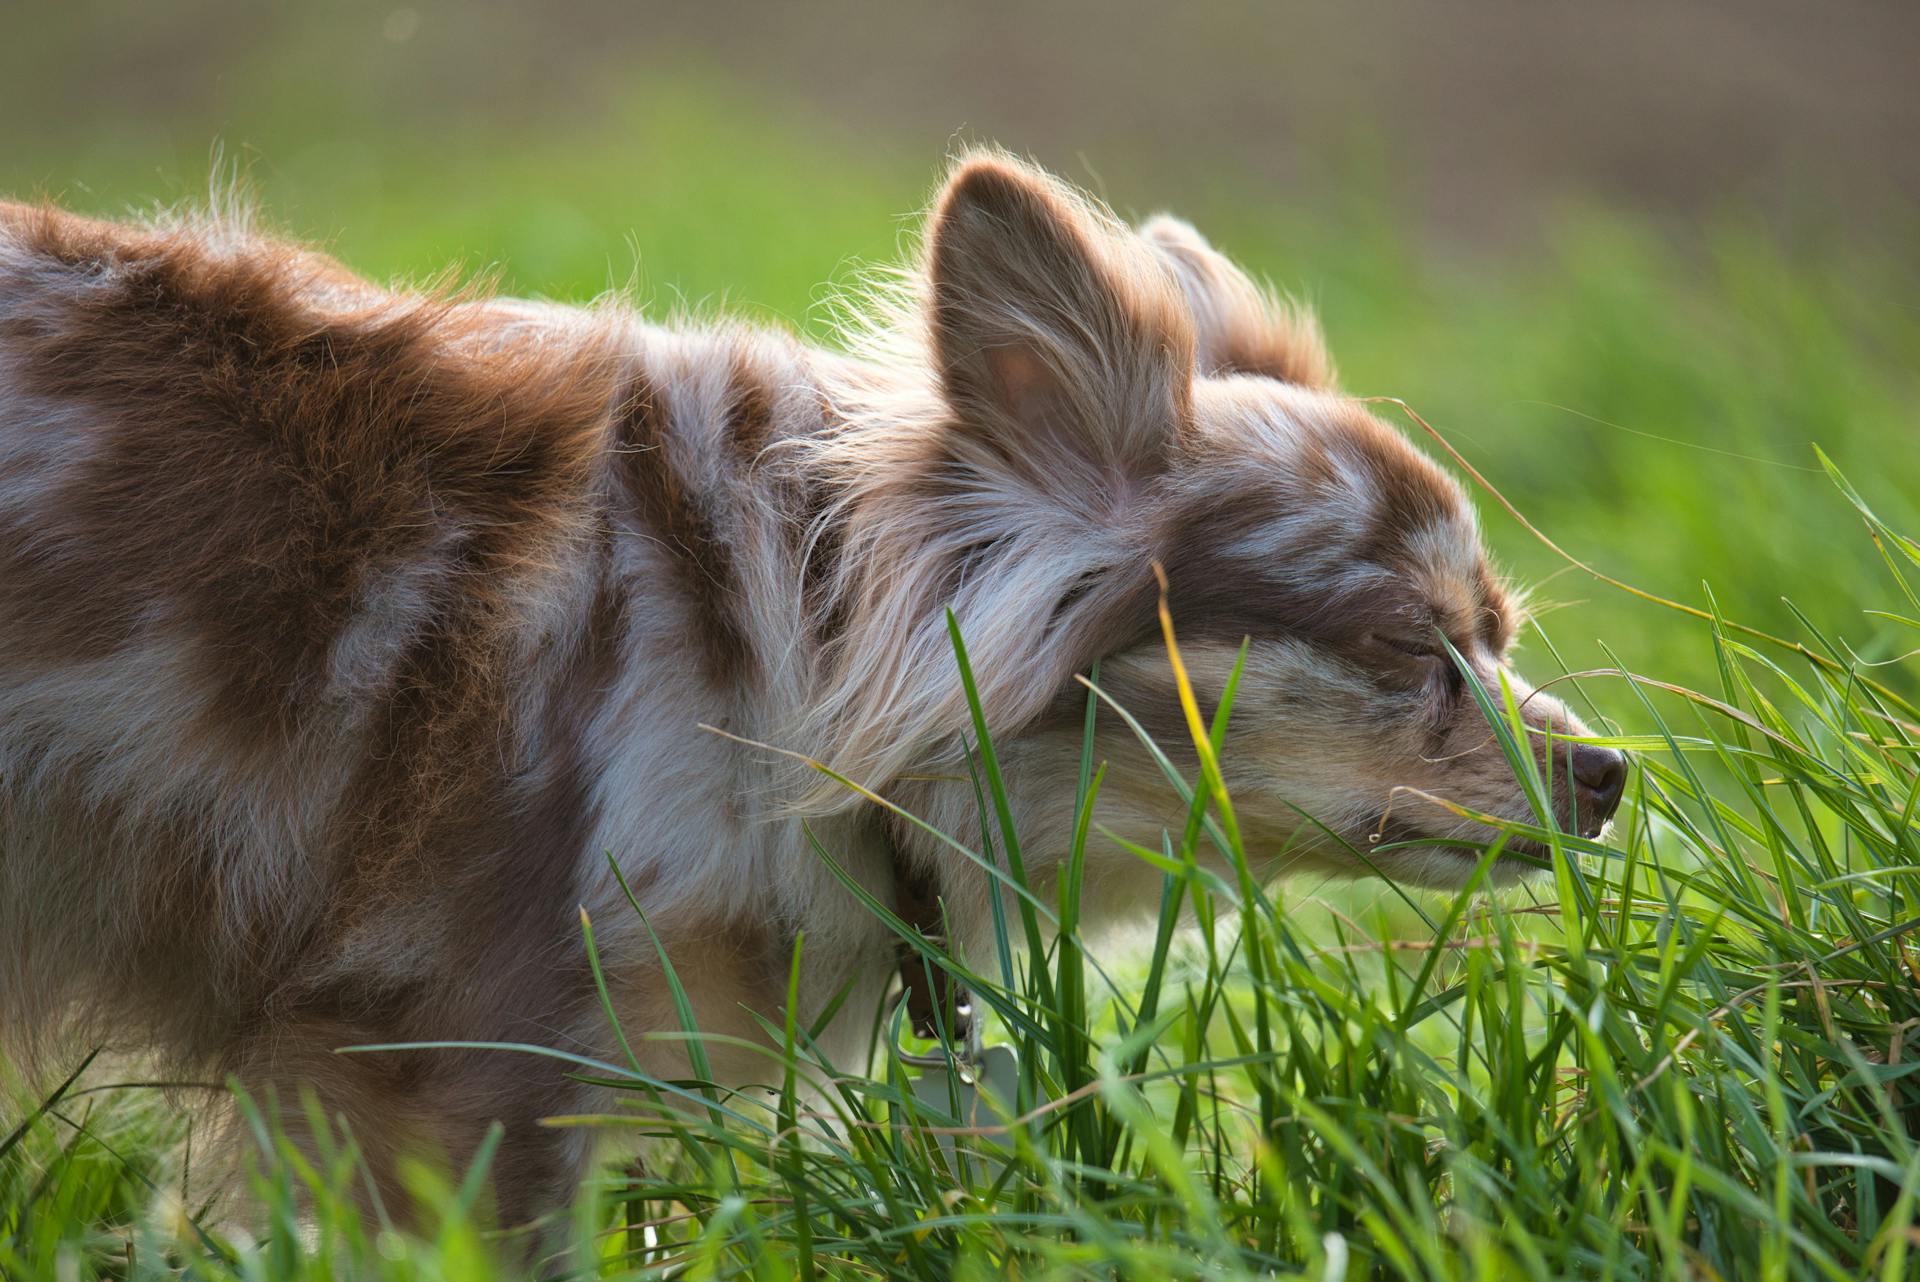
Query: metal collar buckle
[(960, 1046)]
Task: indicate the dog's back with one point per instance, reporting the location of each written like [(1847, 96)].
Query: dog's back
[(273, 552)]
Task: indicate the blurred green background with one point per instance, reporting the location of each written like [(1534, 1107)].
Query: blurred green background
[(1632, 258)]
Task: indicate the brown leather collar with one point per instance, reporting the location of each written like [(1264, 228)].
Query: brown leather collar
[(936, 1012)]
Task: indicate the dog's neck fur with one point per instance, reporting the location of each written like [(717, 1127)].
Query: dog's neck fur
[(734, 518), (746, 495)]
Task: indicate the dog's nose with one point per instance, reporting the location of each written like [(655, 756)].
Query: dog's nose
[(1601, 778)]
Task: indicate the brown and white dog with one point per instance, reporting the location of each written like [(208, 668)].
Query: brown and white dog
[(344, 633)]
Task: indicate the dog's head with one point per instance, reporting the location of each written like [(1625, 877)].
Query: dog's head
[(1108, 399)]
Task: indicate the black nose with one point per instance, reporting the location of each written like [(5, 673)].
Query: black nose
[(1601, 776)]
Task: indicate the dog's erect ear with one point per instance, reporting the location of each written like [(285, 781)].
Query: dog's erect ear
[(1060, 340), (1241, 328)]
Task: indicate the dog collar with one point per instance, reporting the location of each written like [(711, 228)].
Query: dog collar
[(939, 1011)]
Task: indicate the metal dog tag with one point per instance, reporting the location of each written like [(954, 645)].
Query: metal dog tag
[(979, 1095)]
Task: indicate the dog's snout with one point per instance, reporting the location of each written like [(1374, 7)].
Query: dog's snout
[(1601, 778)]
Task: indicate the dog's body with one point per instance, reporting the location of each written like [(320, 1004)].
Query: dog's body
[(343, 635)]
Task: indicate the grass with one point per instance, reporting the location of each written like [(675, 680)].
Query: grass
[(1683, 1054)]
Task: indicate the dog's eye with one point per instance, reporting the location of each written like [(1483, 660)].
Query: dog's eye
[(1436, 668), (1410, 648)]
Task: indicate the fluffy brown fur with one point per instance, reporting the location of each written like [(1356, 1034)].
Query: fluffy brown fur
[(343, 633)]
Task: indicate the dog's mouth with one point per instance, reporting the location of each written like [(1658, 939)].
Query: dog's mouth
[(1391, 834)]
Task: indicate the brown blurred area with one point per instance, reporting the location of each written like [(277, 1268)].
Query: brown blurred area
[(1484, 110), (1480, 117)]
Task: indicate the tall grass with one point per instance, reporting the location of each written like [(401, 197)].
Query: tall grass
[(1683, 1053)]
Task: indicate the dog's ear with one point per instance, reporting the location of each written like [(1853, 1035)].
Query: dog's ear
[(1061, 342), (1241, 328)]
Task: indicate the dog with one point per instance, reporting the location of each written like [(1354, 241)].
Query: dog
[(350, 640)]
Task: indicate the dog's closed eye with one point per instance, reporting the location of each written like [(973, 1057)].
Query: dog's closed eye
[(1410, 647), (1422, 649), (1425, 655)]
